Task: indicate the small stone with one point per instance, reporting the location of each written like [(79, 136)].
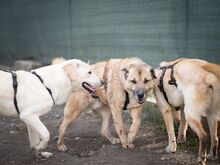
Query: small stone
[(77, 138), (58, 116), (12, 132)]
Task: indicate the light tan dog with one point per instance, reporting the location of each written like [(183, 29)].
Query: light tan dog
[(126, 84), (35, 93), (195, 85)]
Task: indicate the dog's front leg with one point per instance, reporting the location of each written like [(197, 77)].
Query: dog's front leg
[(119, 125), (136, 116), (168, 118)]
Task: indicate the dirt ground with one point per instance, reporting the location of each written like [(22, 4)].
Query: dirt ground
[(86, 146)]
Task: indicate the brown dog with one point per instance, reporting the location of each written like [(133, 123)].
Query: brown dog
[(126, 84), (194, 85)]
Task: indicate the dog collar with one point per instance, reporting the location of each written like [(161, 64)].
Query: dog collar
[(127, 101)]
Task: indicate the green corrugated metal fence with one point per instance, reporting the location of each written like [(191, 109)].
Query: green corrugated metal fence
[(154, 30)]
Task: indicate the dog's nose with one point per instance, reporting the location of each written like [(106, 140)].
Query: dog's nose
[(140, 94)]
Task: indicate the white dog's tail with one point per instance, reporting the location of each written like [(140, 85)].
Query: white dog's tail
[(58, 60)]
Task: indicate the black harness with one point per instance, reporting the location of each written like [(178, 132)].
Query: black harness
[(15, 86), (172, 80), (127, 101), (42, 81)]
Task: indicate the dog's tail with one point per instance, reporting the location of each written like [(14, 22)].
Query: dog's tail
[(212, 68), (166, 63), (58, 60)]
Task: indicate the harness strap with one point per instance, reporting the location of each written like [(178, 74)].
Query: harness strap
[(15, 86), (42, 81), (172, 80), (127, 101), (161, 86), (95, 97)]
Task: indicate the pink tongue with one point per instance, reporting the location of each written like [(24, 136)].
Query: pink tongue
[(91, 88)]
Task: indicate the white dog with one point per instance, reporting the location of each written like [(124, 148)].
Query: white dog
[(30, 95)]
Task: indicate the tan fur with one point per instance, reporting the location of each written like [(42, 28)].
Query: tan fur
[(112, 98), (212, 68), (198, 93)]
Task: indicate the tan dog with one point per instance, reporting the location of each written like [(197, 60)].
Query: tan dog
[(194, 85), (126, 84), (35, 93)]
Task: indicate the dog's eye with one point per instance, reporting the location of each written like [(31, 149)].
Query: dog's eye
[(145, 81), (89, 72), (133, 81)]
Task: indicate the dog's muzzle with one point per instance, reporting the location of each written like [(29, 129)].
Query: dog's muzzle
[(88, 87), (140, 95)]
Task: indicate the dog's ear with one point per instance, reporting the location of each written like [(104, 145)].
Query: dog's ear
[(125, 70), (71, 70), (153, 73)]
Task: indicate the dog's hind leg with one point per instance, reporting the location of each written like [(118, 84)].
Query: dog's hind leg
[(213, 124), (136, 117), (195, 124), (68, 119), (34, 137), (72, 111), (168, 118), (34, 122), (182, 128), (106, 116)]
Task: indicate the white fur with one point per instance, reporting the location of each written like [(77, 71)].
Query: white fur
[(34, 100)]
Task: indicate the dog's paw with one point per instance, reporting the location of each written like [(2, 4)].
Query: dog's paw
[(124, 145), (170, 149), (62, 147), (40, 146), (115, 140), (181, 139), (130, 145), (201, 162)]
